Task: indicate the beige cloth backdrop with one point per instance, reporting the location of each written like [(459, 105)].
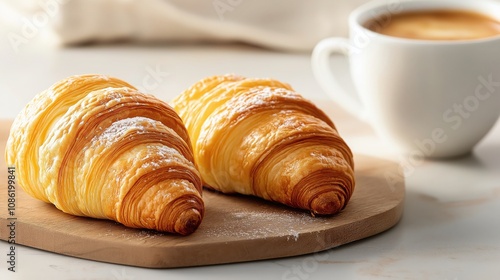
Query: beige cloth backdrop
[(292, 25)]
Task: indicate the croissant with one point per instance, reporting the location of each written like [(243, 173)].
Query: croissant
[(94, 146), (258, 137)]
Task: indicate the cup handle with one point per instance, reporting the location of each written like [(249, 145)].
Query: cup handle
[(328, 82)]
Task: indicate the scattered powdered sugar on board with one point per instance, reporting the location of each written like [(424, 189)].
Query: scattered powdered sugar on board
[(241, 224), (234, 221), (128, 233), (253, 225)]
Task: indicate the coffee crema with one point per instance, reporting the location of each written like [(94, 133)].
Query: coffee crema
[(436, 25)]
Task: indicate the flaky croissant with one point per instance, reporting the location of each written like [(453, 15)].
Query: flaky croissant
[(94, 146), (258, 137)]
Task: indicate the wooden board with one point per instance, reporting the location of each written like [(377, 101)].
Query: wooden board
[(234, 229)]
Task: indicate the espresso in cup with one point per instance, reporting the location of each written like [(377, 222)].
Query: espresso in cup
[(436, 25), (436, 95)]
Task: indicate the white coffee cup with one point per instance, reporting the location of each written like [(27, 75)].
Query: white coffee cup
[(428, 98)]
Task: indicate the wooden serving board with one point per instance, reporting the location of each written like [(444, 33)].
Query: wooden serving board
[(235, 228)]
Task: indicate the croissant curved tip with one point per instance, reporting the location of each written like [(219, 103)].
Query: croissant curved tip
[(188, 221), (328, 203)]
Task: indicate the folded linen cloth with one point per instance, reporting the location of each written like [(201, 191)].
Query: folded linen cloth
[(291, 25)]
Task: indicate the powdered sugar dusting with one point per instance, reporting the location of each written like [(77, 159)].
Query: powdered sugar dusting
[(239, 224), (128, 233), (254, 225), (111, 134), (157, 156)]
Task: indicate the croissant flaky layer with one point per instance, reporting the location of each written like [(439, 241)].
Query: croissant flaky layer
[(259, 137), (94, 146)]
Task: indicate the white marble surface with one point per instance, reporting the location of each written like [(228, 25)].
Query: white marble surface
[(450, 228)]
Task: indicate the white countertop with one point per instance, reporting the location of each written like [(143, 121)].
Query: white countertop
[(450, 228)]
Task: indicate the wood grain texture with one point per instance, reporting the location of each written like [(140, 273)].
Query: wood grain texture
[(235, 228)]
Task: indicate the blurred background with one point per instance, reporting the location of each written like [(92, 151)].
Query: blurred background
[(160, 46), (291, 25)]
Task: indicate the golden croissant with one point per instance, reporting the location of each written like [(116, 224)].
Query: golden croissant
[(259, 137), (94, 146)]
